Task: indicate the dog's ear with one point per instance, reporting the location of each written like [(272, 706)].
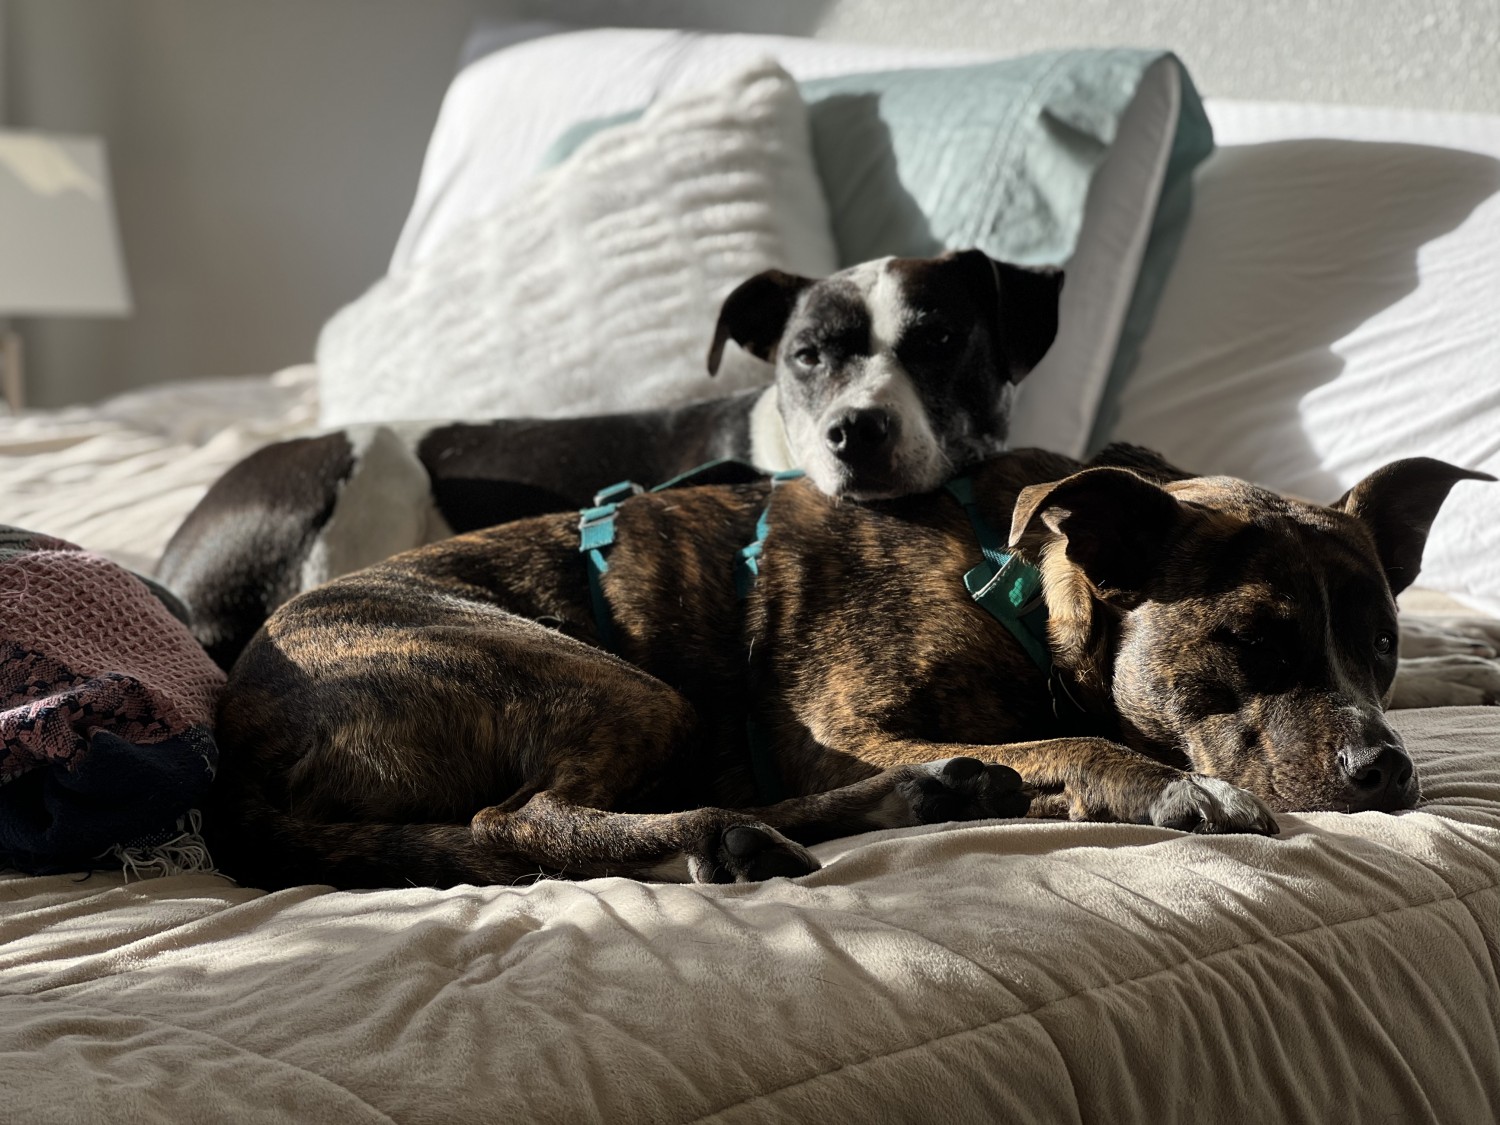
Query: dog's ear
[(1023, 314), (755, 314), (1116, 525), (1029, 300), (1397, 504), (1138, 459)]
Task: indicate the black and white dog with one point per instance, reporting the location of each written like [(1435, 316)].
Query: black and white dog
[(889, 376)]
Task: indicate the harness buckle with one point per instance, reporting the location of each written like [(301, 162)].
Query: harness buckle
[(596, 527), (616, 492), (1004, 586)]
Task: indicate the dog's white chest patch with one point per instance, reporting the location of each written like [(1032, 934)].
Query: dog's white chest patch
[(770, 449), (384, 508)]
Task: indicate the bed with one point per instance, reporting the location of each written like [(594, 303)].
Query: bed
[(1348, 969)]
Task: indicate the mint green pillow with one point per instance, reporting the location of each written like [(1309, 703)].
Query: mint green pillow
[(1001, 156)]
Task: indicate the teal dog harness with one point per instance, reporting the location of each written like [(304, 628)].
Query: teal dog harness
[(596, 529), (1005, 587)]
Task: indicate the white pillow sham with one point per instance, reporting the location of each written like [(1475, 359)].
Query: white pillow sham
[(596, 288), (1336, 305)]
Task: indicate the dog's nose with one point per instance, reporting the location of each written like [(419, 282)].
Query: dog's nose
[(859, 433), (1380, 777)]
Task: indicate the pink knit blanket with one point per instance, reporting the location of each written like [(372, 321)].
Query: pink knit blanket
[(106, 703)]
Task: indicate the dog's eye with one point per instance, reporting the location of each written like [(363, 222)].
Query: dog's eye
[(931, 338), (1258, 642), (1385, 643), (807, 356)]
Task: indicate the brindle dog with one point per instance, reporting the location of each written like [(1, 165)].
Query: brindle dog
[(449, 716)]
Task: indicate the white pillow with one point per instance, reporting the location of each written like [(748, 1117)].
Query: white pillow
[(597, 287), (502, 112), (1336, 305)]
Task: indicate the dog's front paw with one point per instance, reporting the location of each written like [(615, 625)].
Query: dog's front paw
[(1446, 681), (1197, 803), (960, 789), (751, 853)]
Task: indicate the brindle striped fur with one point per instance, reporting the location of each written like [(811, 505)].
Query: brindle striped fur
[(447, 716)]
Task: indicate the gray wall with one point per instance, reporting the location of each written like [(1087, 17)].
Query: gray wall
[(265, 151)]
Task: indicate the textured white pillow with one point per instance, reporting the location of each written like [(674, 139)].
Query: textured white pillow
[(596, 288), (503, 112), (1336, 305)]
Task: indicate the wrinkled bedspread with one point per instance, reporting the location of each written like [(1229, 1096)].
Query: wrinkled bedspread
[(1037, 972)]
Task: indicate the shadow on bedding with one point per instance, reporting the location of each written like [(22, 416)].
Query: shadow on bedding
[(1293, 246)]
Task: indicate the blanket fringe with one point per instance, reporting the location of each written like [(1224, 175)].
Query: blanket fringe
[(183, 854)]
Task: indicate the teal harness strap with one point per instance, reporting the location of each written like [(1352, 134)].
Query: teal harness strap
[(695, 473), (763, 769), (596, 534), (1008, 589), (747, 568)]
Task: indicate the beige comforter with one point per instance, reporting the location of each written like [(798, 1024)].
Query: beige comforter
[(1346, 971)]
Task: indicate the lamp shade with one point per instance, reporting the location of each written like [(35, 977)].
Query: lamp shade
[(59, 245)]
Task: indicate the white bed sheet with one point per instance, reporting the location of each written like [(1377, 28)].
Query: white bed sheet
[(119, 476)]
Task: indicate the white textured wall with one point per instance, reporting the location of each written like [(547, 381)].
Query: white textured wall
[(1432, 54), (265, 151)]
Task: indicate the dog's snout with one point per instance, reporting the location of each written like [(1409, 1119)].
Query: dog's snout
[(1380, 777), (858, 434)]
